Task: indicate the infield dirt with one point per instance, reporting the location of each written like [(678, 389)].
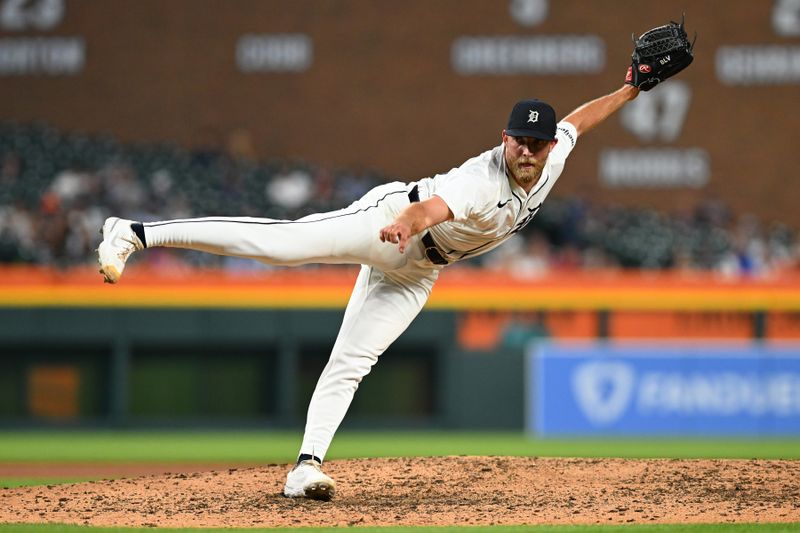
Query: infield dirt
[(430, 491)]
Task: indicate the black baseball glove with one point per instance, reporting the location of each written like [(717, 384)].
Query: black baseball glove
[(659, 54)]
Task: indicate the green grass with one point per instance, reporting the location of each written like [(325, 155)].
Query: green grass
[(11, 482), (655, 528), (281, 446)]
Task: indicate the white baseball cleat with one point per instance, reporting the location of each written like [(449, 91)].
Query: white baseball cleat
[(119, 242), (306, 480)]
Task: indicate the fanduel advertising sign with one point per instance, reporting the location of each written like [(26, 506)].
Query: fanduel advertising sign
[(652, 389)]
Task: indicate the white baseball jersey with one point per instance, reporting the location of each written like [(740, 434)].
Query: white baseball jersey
[(392, 287), (487, 204)]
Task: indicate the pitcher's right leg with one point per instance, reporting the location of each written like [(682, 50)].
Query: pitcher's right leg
[(119, 242), (346, 236)]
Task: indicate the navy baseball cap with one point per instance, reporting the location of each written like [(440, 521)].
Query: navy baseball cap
[(532, 118)]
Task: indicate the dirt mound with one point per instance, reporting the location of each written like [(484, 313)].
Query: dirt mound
[(432, 491)]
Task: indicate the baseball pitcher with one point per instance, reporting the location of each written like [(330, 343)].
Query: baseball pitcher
[(403, 235)]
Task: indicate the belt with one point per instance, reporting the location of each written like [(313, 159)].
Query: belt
[(432, 251)]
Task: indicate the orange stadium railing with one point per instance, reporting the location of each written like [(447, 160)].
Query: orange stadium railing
[(575, 304), (457, 289)]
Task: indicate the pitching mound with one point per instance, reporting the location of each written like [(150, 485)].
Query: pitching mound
[(432, 491)]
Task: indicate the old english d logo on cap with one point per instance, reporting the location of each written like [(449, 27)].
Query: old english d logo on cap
[(532, 118)]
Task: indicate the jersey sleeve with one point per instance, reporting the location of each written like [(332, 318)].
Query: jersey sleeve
[(567, 136)]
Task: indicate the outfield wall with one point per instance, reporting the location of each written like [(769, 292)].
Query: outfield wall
[(182, 365), (205, 348), (663, 388)]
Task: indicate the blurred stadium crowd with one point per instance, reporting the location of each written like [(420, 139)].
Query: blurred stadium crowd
[(56, 189)]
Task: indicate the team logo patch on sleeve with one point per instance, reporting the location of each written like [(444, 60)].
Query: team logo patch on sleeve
[(566, 132)]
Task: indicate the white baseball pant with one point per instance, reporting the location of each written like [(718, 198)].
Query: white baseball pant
[(390, 290)]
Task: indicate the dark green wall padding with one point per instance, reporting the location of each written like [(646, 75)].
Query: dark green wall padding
[(141, 367)]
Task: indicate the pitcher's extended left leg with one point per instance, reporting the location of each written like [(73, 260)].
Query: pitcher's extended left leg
[(380, 309)]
